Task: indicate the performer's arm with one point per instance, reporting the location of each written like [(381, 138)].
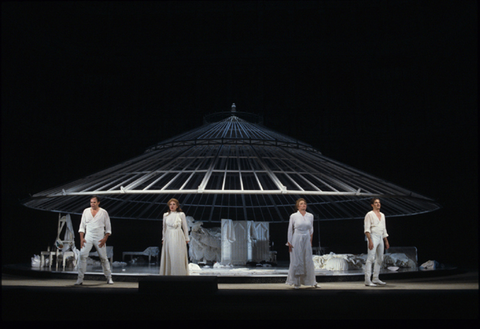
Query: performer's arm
[(387, 245), (311, 232), (82, 239), (104, 240), (290, 234), (81, 230), (185, 227), (370, 242), (367, 232), (164, 225), (108, 229)]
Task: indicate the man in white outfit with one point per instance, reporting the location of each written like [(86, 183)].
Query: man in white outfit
[(376, 233), (96, 222)]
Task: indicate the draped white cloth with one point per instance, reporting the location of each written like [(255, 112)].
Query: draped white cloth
[(205, 243), (302, 269), (174, 259)]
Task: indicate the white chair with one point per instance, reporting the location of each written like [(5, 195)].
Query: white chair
[(48, 254), (64, 247)]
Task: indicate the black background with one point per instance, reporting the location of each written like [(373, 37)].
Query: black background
[(388, 87)]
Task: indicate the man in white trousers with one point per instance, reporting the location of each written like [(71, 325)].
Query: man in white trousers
[(376, 233), (95, 228)]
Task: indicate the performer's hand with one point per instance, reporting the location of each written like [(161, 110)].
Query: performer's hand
[(387, 245), (290, 247), (102, 242), (370, 244), (82, 243)]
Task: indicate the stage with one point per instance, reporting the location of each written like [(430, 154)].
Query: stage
[(122, 272), (255, 292), (50, 295)]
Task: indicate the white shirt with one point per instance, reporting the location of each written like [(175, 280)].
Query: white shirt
[(96, 226), (301, 223), (376, 226)]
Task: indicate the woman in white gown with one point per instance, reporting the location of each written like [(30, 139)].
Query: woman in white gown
[(174, 260), (300, 235)]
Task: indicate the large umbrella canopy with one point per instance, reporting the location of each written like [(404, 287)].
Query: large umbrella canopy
[(232, 169)]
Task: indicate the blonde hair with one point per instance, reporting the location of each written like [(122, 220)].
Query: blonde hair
[(298, 202), (178, 205)]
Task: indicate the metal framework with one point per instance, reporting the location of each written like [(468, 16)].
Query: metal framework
[(232, 169)]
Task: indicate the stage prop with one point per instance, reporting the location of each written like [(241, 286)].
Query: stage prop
[(234, 243), (205, 243), (63, 248), (394, 255), (431, 265), (149, 252), (109, 254), (245, 241), (235, 169), (345, 262)]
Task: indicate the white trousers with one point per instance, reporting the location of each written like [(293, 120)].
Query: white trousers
[(374, 256), (102, 253)]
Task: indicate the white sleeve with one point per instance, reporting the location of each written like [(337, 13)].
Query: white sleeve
[(367, 223), (108, 224), (185, 226), (82, 223), (311, 229), (164, 225), (385, 234), (291, 228)]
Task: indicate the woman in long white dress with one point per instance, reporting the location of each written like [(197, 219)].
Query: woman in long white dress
[(300, 236), (174, 259)]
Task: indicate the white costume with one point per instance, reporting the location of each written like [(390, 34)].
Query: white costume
[(301, 270), (378, 231), (174, 259), (94, 229)]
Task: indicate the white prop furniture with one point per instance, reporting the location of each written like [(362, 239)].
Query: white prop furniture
[(245, 241), (150, 252)]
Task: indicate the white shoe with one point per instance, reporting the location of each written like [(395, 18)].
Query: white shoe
[(378, 281), (316, 285), (297, 287), (370, 284), (109, 281), (79, 282)]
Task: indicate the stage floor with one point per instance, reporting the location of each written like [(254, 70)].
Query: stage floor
[(250, 294), (235, 274)]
